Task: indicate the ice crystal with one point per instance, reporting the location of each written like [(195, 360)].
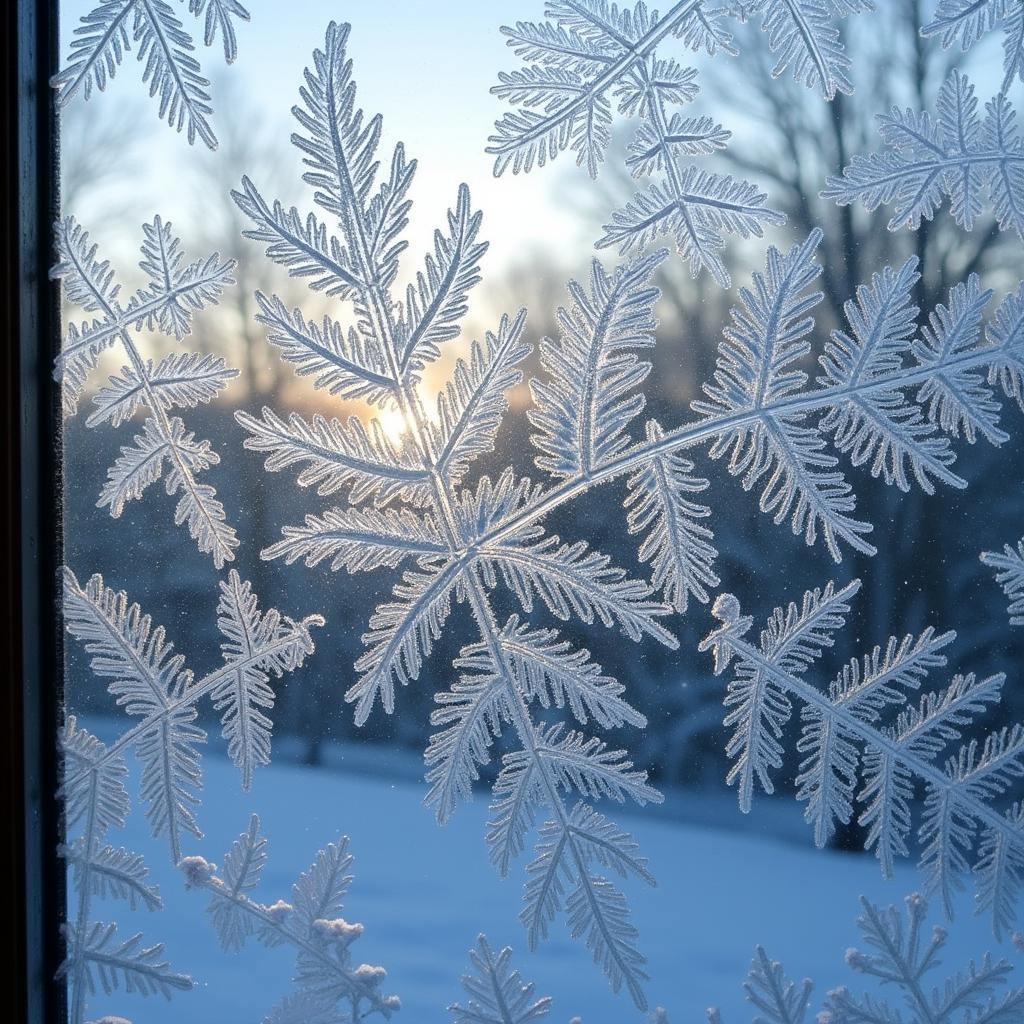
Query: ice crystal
[(590, 54), (513, 666), (889, 398), (1009, 566), (182, 380), (903, 955), (966, 21), (165, 49), (497, 995), (330, 987), (865, 743), (151, 683), (955, 154)]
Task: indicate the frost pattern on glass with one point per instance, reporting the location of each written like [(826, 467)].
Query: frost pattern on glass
[(955, 154), (901, 953), (151, 683), (497, 994), (589, 53), (181, 380), (165, 49), (964, 22), (890, 397), (329, 986), (439, 527), (865, 743), (94, 796), (1009, 566)]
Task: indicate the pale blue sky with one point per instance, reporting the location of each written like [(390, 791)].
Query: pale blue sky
[(427, 67), (428, 75)]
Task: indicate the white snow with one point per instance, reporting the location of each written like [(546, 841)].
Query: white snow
[(424, 893)]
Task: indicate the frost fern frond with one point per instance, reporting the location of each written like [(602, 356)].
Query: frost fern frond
[(98, 959), (901, 953), (434, 307), (311, 923), (92, 787), (967, 21), (865, 745), (218, 21), (164, 449), (151, 683), (584, 406), (339, 454), (805, 36), (455, 535), (955, 154), (587, 56), (165, 49), (360, 540), (471, 407), (1009, 566), (497, 994), (434, 528)]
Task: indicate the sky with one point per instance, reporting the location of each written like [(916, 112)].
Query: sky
[(428, 75), (413, 67)]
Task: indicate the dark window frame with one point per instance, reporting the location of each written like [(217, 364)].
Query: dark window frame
[(30, 457)]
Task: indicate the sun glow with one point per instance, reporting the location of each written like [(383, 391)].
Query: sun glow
[(394, 423)]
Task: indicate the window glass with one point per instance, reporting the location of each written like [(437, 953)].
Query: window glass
[(570, 469)]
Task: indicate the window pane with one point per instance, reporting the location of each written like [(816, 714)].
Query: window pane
[(639, 507)]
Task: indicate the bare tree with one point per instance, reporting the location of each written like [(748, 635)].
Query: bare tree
[(99, 147)]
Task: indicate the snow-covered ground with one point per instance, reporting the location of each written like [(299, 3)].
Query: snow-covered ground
[(424, 893)]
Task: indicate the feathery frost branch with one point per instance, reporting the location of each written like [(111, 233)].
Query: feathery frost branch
[(497, 994), (886, 399), (311, 923), (966, 21), (590, 52), (95, 797), (955, 154), (891, 395), (902, 954), (876, 732), (1009, 566), (805, 36), (424, 518), (164, 448), (165, 49), (150, 681)]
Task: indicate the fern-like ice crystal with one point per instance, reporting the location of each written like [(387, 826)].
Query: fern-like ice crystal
[(420, 514), (497, 994), (164, 447), (590, 59), (590, 56), (1009, 566), (95, 801), (165, 49), (870, 736), (964, 22), (902, 954), (151, 683), (330, 987), (974, 162), (891, 396)]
